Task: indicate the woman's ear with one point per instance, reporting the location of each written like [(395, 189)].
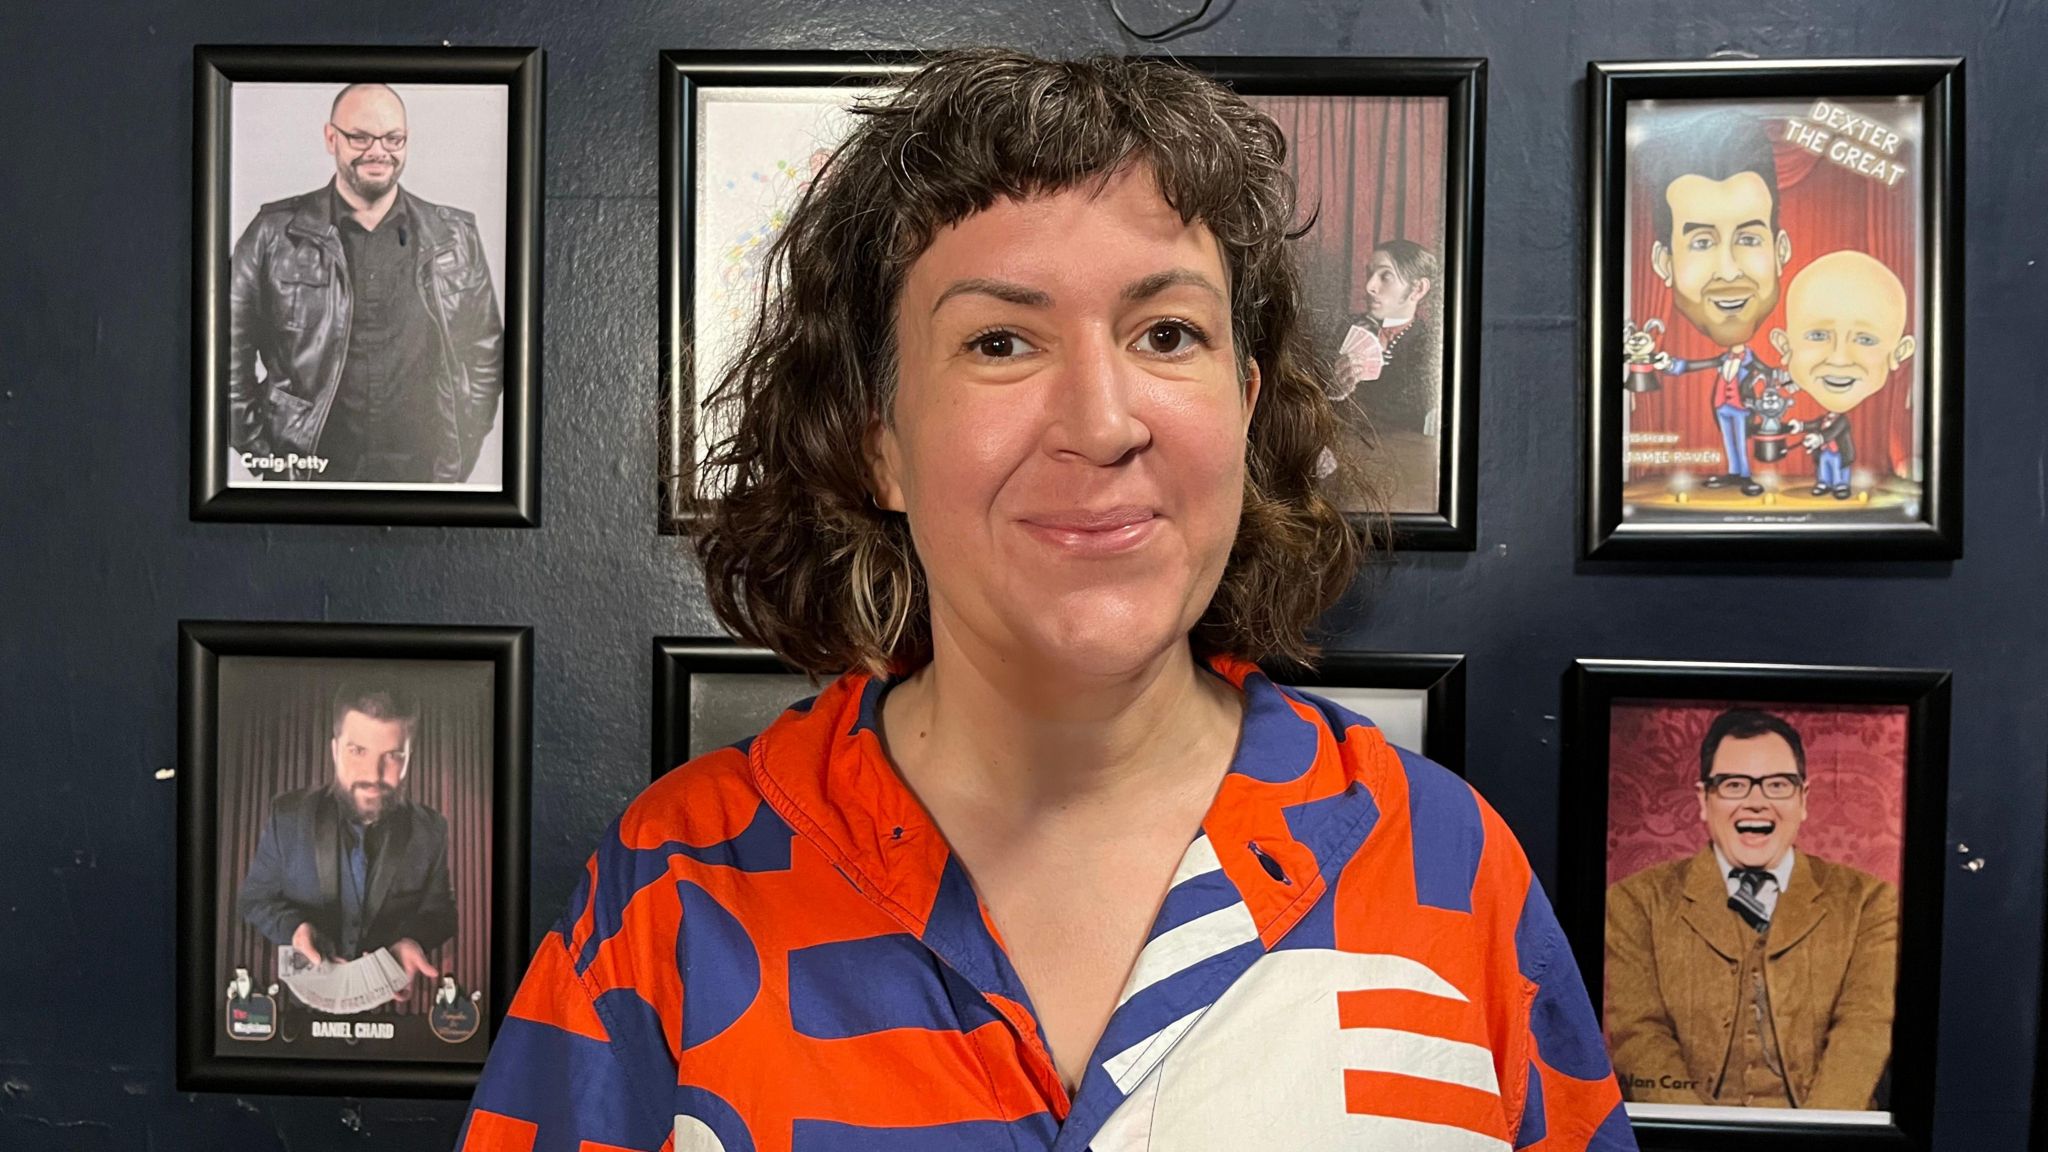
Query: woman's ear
[(882, 454), (1252, 379)]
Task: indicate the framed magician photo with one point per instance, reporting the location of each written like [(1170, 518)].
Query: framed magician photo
[(743, 134), (1388, 157), (1752, 863), (351, 854), (366, 310), (1776, 310)]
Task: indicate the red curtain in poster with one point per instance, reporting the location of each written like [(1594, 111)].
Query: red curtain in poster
[(1824, 208), (1371, 168)]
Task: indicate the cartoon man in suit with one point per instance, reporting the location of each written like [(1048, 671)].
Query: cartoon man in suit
[(1844, 335), (1713, 188), (347, 867), (1751, 973)]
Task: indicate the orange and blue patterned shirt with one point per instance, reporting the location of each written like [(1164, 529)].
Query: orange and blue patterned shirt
[(774, 951)]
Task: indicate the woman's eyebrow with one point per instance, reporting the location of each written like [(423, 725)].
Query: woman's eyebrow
[(1014, 293), (1003, 290), (1159, 282)]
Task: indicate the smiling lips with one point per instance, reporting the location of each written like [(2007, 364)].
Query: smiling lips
[(1755, 831), (1104, 533), (1839, 383)]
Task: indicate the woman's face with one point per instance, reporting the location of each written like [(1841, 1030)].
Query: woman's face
[(1068, 437)]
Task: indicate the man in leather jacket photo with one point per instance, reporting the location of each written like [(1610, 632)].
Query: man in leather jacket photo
[(365, 338)]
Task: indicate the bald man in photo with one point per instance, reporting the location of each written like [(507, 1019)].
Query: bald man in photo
[(1844, 336), (371, 314)]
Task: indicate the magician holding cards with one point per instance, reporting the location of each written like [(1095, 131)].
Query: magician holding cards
[(347, 867)]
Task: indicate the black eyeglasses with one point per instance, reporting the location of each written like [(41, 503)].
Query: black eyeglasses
[(361, 141), (1783, 786)]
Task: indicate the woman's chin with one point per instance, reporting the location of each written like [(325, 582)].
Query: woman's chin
[(1104, 644)]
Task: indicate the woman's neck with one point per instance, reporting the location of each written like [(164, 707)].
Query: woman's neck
[(1020, 741)]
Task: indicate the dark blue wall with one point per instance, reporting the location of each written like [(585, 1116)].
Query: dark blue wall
[(98, 559)]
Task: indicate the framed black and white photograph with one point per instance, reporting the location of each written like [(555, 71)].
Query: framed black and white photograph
[(1776, 293), (1751, 876), (1388, 155), (366, 289), (1415, 699), (742, 136), (352, 853)]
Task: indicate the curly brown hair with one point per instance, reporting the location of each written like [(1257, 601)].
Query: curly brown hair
[(797, 556)]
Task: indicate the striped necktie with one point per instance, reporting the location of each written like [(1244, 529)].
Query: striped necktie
[(1746, 900)]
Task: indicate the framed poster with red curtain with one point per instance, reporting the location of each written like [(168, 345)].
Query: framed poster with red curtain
[(1752, 861), (1388, 157), (351, 854), (1776, 328)]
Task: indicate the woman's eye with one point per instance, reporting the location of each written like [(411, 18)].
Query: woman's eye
[(1170, 338), (1000, 345)]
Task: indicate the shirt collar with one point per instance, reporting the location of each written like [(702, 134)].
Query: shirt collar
[(1290, 807), (1782, 873), (344, 212)]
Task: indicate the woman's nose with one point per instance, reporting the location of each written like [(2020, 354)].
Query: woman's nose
[(1092, 407)]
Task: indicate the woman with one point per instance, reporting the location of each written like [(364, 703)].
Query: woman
[(1030, 440)]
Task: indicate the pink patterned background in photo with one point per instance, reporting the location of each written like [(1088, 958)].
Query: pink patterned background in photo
[(1855, 770)]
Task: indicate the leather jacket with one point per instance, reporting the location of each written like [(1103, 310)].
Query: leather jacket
[(290, 307)]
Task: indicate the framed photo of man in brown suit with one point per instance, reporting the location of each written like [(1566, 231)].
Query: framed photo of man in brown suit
[(1754, 888)]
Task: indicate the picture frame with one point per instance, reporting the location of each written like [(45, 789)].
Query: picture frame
[(1429, 446), (777, 107), (1834, 188), (1874, 761), (308, 398), (697, 329), (442, 716), (1416, 698), (710, 693)]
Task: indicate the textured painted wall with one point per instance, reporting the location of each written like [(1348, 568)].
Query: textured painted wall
[(98, 560)]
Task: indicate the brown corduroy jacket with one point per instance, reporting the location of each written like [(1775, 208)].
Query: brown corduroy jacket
[(1674, 949)]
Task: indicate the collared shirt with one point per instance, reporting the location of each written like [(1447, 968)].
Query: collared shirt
[(356, 844), (775, 949), (386, 402), (1767, 895)]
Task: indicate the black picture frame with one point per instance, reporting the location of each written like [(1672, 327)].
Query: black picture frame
[(1439, 676), (1453, 526), (1461, 82), (684, 75), (1611, 86), (2038, 1111), (201, 645), (1591, 689), (215, 70), (676, 661)]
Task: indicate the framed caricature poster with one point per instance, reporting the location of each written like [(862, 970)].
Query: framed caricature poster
[(352, 864), (1753, 879), (365, 298), (1388, 158), (742, 135), (1776, 329)]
